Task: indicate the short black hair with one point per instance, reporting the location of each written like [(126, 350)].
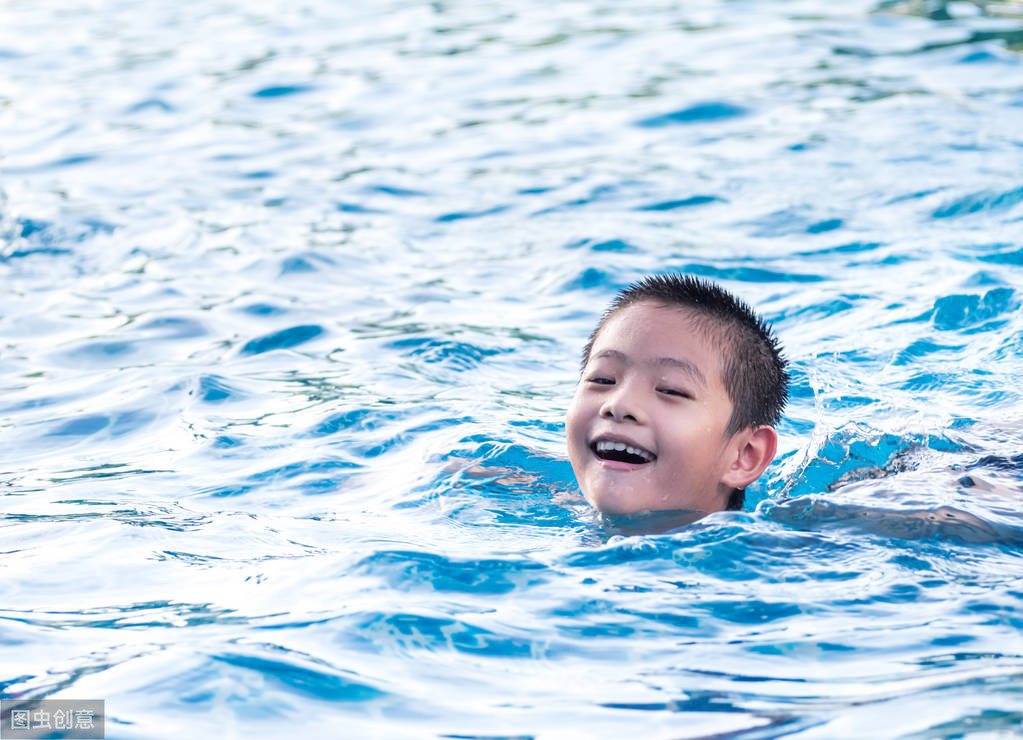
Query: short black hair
[(753, 370)]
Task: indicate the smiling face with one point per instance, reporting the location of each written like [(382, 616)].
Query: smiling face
[(647, 428)]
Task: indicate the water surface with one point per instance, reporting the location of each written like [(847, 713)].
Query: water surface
[(293, 296)]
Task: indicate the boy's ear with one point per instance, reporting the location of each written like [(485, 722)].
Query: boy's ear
[(750, 453)]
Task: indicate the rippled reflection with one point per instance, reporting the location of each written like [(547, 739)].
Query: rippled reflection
[(293, 301)]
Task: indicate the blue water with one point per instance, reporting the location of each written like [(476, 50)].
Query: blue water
[(293, 297)]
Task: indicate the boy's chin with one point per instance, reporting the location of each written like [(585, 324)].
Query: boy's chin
[(619, 502), (650, 522)]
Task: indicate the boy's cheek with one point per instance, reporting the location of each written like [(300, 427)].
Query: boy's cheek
[(575, 407), (575, 432)]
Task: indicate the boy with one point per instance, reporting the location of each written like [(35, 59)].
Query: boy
[(681, 388)]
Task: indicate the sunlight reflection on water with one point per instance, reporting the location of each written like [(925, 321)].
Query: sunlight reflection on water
[(281, 280)]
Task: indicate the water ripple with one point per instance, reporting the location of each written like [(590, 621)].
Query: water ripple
[(293, 303)]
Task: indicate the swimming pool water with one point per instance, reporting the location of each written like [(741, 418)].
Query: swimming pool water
[(293, 297)]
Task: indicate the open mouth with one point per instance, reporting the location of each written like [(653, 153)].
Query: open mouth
[(606, 449)]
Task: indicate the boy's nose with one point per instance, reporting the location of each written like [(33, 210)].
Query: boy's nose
[(621, 406)]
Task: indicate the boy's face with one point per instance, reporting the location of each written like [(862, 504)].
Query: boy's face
[(653, 384)]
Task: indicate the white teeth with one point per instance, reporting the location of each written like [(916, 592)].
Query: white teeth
[(605, 446)]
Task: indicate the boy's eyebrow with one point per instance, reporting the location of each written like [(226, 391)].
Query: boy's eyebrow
[(684, 365)]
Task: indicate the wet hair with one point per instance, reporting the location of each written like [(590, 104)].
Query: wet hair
[(753, 370)]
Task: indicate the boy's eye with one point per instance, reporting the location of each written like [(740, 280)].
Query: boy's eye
[(600, 380), (674, 392)]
